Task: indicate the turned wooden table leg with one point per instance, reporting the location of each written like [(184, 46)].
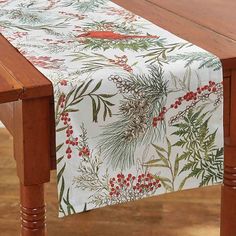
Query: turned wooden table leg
[(33, 210), (228, 194)]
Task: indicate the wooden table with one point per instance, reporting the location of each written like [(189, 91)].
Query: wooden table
[(27, 109)]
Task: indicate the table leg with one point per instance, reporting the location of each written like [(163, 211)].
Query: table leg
[(228, 195), (33, 211), (32, 150)]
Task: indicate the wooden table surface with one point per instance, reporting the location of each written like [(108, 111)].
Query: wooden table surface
[(19, 83), (202, 13), (209, 24)]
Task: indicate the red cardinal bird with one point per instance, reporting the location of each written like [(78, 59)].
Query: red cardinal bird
[(112, 35)]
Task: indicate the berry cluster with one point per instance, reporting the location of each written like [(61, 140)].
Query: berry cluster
[(199, 94), (63, 82), (70, 141), (122, 62), (160, 117), (65, 118), (61, 102), (131, 187), (84, 152)]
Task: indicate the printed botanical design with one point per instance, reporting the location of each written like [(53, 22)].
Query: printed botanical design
[(211, 91), (107, 35), (205, 59), (95, 62), (127, 15), (84, 5), (109, 190), (138, 111), (199, 149), (76, 95), (143, 97), (199, 146)]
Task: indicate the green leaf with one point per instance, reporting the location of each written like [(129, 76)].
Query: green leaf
[(97, 86), (155, 165), (108, 103), (85, 87), (71, 110), (60, 159), (164, 179), (169, 147), (76, 101), (105, 113), (59, 147), (180, 143), (164, 182), (183, 183), (158, 148), (99, 106), (94, 107), (176, 166), (77, 90), (69, 95), (106, 95), (61, 129), (152, 161), (62, 189), (61, 173), (109, 112), (162, 157)]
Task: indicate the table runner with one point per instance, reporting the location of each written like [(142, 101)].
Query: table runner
[(138, 110)]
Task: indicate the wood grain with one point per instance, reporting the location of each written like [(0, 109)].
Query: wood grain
[(20, 80), (10, 89), (213, 41), (32, 140), (201, 12), (6, 115), (188, 213)]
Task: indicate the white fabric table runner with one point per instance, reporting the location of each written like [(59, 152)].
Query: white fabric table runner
[(138, 109)]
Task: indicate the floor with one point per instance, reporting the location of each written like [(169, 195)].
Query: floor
[(187, 213)]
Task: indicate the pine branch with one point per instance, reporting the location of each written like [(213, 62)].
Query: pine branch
[(205, 59), (85, 6), (146, 96)]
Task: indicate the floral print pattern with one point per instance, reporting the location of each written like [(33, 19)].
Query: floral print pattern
[(138, 110)]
